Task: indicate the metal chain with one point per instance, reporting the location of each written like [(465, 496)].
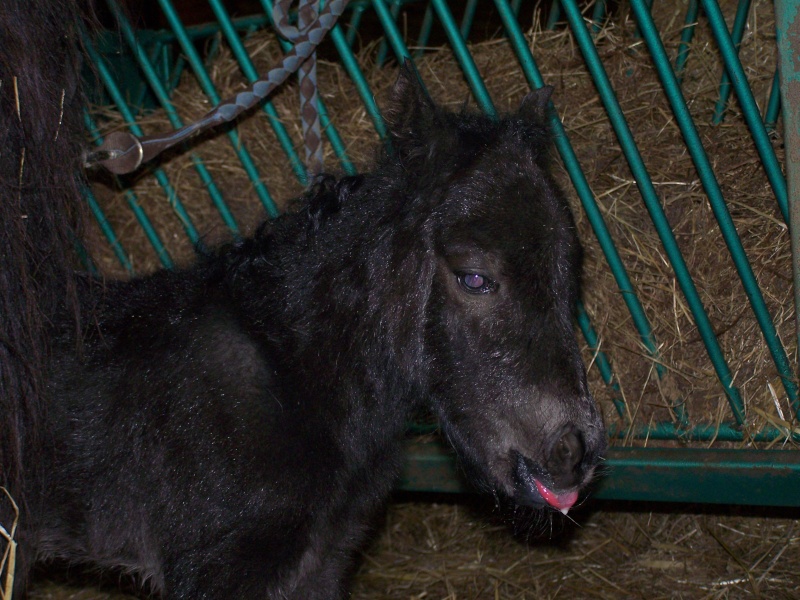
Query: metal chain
[(122, 152)]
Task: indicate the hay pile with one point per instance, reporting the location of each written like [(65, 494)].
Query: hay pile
[(689, 374)]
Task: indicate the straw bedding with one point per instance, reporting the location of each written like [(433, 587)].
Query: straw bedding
[(452, 551), (440, 551)]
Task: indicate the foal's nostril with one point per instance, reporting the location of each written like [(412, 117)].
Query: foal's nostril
[(567, 453)]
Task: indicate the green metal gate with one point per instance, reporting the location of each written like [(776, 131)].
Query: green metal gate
[(736, 444)]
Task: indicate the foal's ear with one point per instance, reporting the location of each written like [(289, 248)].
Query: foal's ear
[(534, 105), (411, 114)]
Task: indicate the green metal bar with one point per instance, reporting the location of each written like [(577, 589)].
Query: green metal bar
[(554, 15), (212, 51), (424, 30), (717, 202), (352, 26), (668, 431), (127, 114), (650, 197), (176, 72), (357, 76), (704, 432), (394, 10), (83, 256), (636, 32), (330, 130), (737, 33), (133, 203), (154, 52), (712, 476), (107, 230), (163, 98), (787, 16), (390, 30), (207, 30), (432, 467), (774, 107), (749, 107), (468, 18), (164, 60), (248, 33), (598, 15), (601, 360), (743, 477), (250, 72), (335, 139), (207, 85), (687, 34), (464, 57)]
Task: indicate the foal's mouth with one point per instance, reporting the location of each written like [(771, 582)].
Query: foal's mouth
[(530, 488)]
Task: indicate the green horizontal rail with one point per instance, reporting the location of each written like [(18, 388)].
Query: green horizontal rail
[(706, 476), (705, 432), (711, 476), (200, 32)]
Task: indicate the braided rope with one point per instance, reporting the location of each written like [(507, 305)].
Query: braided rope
[(307, 74), (123, 152)]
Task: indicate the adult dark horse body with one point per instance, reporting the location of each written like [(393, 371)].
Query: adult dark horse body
[(231, 430)]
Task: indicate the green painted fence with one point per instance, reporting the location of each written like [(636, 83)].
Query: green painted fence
[(747, 453)]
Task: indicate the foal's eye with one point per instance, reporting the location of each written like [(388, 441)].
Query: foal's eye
[(475, 283)]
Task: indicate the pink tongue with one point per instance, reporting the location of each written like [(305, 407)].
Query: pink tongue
[(564, 501)]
